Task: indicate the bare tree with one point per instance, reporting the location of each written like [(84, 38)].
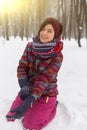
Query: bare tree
[(6, 23)]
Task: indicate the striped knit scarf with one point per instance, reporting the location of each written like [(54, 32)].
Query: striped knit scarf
[(47, 50)]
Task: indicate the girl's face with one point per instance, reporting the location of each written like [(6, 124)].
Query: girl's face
[(47, 34)]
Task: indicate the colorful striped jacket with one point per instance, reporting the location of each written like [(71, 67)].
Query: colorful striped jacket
[(39, 74)]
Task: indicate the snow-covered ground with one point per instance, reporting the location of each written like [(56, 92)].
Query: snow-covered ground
[(72, 80)]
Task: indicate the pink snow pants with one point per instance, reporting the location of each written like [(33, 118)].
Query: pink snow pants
[(39, 115)]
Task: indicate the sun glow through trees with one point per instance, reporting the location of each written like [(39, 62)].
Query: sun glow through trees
[(11, 6)]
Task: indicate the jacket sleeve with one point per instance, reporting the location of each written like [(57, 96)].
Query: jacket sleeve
[(22, 69), (48, 76)]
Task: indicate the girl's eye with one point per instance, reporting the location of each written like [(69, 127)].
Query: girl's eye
[(49, 31)]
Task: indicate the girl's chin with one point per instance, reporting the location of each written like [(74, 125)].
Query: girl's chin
[(42, 40)]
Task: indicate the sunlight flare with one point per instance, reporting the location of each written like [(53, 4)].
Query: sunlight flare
[(11, 6)]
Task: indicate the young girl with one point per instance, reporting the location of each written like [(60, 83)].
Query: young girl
[(37, 73)]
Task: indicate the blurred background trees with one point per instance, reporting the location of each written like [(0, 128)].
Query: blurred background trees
[(24, 18)]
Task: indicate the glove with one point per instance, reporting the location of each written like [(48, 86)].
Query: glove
[(23, 82), (24, 92), (20, 111)]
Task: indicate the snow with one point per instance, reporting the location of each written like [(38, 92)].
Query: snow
[(72, 85)]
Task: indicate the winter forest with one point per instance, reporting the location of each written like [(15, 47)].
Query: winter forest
[(23, 17)]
